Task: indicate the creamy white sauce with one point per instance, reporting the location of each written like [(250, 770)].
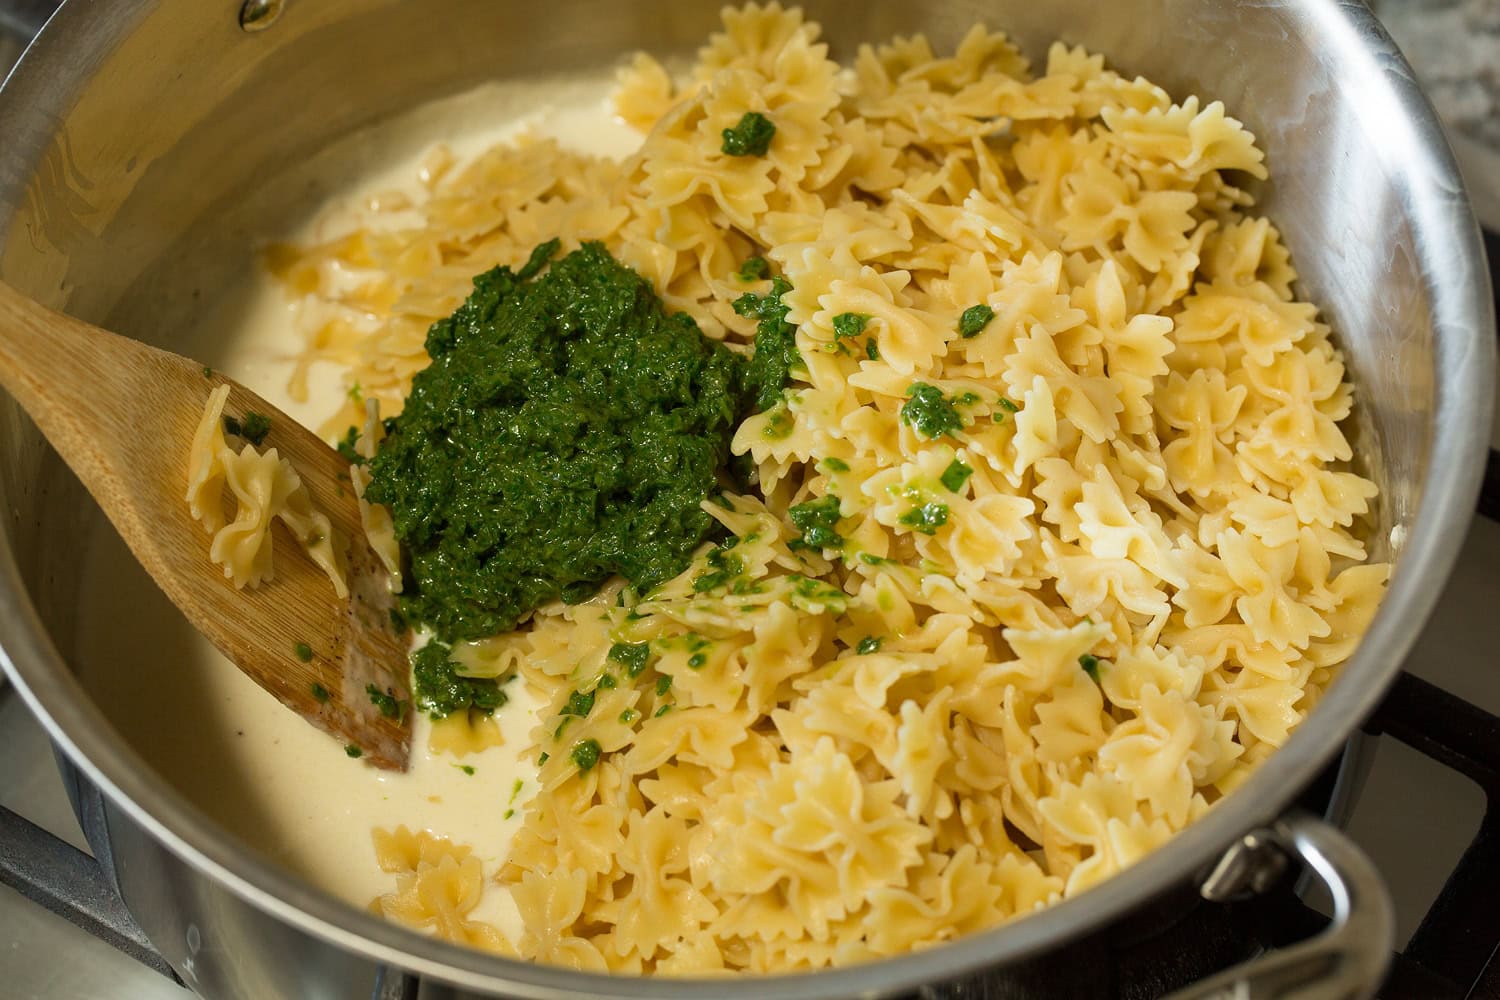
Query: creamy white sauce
[(282, 786)]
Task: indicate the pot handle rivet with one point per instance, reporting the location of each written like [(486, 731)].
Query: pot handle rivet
[(258, 15)]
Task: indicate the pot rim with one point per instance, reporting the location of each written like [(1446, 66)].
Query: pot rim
[(1451, 256)]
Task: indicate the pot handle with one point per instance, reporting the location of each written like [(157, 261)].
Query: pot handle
[(1348, 960)]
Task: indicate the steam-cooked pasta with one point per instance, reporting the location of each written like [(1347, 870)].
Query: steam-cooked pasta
[(1054, 539)]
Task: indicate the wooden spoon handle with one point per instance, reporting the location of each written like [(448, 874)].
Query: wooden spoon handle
[(122, 415)]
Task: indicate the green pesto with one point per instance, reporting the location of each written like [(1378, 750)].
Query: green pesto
[(346, 447), (585, 754), (817, 520), (975, 319), (811, 595), (608, 682), (927, 518), (1006, 404), (755, 269), (696, 661), (466, 769), (850, 324), (319, 692), (629, 716), (662, 711), (439, 691), (871, 351), (929, 412), (776, 353), (663, 684), (1090, 664), (955, 475), (633, 656), (835, 464), (254, 428), (869, 644), (870, 559), (386, 701), (567, 430), (750, 137), (543, 759), (723, 566), (208, 372), (779, 422), (579, 704), (303, 652), (350, 750)]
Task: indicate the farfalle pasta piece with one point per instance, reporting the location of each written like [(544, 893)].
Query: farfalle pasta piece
[(263, 487)]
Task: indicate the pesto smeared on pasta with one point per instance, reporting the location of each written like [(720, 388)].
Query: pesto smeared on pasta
[(567, 430)]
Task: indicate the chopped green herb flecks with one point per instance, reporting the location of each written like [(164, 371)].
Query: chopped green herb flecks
[(567, 430), (869, 644), (386, 702), (608, 682), (835, 464), (629, 716), (849, 324), (929, 412), (662, 711), (817, 520), (346, 447), (955, 475), (303, 652), (350, 750), (663, 684), (815, 596), (255, 428), (466, 769), (1006, 404), (776, 353), (696, 661), (1090, 664), (208, 372), (723, 566), (543, 759), (927, 518), (779, 422), (509, 813), (751, 137), (579, 704), (755, 269), (633, 656), (585, 754), (319, 692), (871, 559), (871, 350), (515, 789), (975, 319), (439, 691)]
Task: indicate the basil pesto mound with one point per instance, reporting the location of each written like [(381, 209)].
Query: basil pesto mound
[(567, 430)]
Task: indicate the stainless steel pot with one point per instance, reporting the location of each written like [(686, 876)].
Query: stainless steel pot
[(132, 128)]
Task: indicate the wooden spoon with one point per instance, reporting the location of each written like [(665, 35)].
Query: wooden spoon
[(122, 415)]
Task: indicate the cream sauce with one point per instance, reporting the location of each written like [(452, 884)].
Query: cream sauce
[(287, 789)]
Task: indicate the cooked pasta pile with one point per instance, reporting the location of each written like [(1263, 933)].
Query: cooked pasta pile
[(1023, 590)]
